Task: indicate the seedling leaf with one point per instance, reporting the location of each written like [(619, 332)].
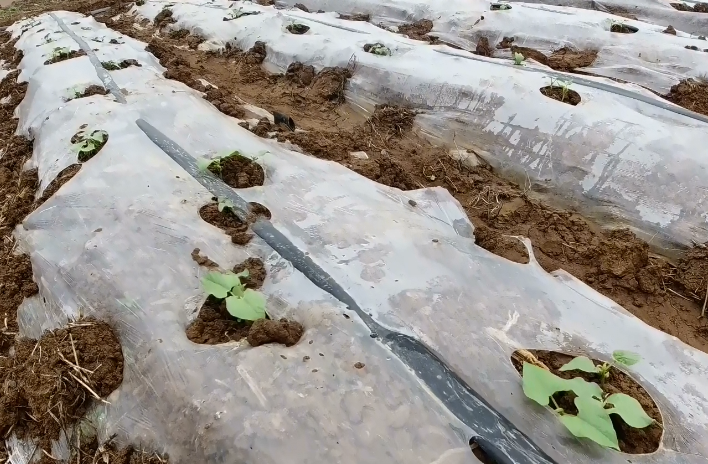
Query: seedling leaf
[(592, 422), (628, 358), (225, 203), (249, 307), (219, 285), (583, 388), (580, 363), (629, 410), (203, 163), (539, 384)]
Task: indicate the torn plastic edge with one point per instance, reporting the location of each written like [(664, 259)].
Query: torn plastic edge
[(501, 437), (588, 83), (102, 74)]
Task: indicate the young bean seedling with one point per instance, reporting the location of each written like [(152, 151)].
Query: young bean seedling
[(563, 85), (519, 59), (87, 144), (594, 406), (225, 203), (60, 53), (241, 302)]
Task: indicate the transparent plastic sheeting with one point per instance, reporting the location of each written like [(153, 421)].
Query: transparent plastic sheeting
[(610, 156), (115, 243), (649, 57)]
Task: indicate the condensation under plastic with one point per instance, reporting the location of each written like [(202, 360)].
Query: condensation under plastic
[(613, 157), (115, 243)]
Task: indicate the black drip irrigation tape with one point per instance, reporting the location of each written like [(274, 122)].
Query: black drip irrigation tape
[(105, 77), (497, 437), (588, 83)]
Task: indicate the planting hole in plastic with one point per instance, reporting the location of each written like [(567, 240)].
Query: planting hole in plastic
[(631, 440), (561, 94)]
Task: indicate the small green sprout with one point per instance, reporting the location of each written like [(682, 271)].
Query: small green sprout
[(563, 85), (214, 164), (60, 53), (235, 14), (110, 65), (519, 59), (585, 364), (225, 203), (594, 406), (88, 144), (377, 49), (241, 302)]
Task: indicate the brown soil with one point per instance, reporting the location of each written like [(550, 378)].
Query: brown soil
[(328, 85), (561, 239), (619, 11), (631, 440), (691, 94), (64, 176), (202, 260), (698, 8), (239, 172), (570, 97), (221, 100), (50, 383), (68, 56), (300, 74), (530, 53), (483, 48), (164, 18), (302, 7), (622, 28), (393, 121), (283, 331), (226, 221), (506, 42), (418, 30), (26, 8), (670, 30), (692, 272), (256, 54), (297, 29), (356, 17), (91, 452), (567, 59), (256, 272)]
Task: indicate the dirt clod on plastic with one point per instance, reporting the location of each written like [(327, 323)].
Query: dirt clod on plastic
[(77, 363), (483, 48), (256, 272), (202, 260), (257, 53), (568, 59), (267, 331), (631, 440), (691, 94), (669, 30), (418, 30), (329, 84)]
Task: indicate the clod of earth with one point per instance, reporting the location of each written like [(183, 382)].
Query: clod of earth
[(80, 364), (670, 30), (300, 73), (257, 53), (202, 260), (568, 59), (302, 7), (697, 8), (691, 94), (256, 272), (297, 29), (356, 17), (164, 17), (267, 331), (237, 171), (506, 42), (418, 30), (529, 53), (623, 28), (483, 48)]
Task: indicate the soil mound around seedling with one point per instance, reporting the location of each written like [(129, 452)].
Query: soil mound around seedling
[(418, 30), (115, 66), (297, 29), (91, 452), (227, 221), (531, 53), (78, 363), (89, 91), (239, 172), (567, 59), (623, 29), (631, 440), (65, 56), (257, 53), (483, 48), (64, 176), (329, 84), (506, 42), (555, 92), (214, 325), (691, 94)]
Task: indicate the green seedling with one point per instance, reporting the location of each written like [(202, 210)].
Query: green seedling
[(593, 420), (225, 203), (377, 49), (563, 85), (519, 59), (110, 65), (60, 53), (235, 14), (297, 28), (214, 164), (241, 302), (88, 144), (585, 364)]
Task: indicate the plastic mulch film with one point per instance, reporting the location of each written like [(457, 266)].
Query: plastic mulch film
[(115, 243)]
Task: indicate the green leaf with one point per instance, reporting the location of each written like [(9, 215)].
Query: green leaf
[(628, 358), (225, 203), (98, 136), (219, 285), (629, 410), (592, 422), (583, 388), (203, 163), (249, 307), (539, 384), (580, 363)]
